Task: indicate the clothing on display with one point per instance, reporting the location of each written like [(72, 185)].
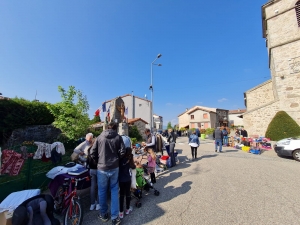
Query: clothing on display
[(12, 162)]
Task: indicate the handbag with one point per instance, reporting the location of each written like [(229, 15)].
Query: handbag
[(74, 156)]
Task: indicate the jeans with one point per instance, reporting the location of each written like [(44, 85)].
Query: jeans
[(225, 140), (194, 152), (172, 146), (168, 149), (104, 178), (93, 193), (218, 142)]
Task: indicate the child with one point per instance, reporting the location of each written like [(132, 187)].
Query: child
[(151, 164), (125, 181)]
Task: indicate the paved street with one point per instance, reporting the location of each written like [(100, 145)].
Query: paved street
[(233, 187)]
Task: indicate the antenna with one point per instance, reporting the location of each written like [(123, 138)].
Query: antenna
[(35, 95)]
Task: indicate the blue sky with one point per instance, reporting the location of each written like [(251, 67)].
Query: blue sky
[(212, 51)]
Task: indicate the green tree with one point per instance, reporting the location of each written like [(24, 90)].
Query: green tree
[(70, 115), (96, 119), (134, 133), (169, 126), (282, 126)]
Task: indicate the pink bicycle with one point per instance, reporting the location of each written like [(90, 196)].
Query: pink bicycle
[(67, 202)]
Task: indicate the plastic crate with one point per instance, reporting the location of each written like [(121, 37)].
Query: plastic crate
[(245, 148), (255, 151)]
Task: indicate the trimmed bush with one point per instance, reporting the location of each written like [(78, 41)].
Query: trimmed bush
[(134, 133), (282, 126)]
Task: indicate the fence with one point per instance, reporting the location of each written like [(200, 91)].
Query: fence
[(31, 176)]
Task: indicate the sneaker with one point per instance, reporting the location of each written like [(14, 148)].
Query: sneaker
[(128, 210), (92, 207), (121, 215), (116, 221), (104, 217), (97, 207)]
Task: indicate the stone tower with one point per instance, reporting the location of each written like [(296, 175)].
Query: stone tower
[(281, 30)]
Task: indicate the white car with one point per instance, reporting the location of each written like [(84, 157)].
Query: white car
[(288, 147)]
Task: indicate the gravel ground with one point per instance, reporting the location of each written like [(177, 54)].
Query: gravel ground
[(233, 187)]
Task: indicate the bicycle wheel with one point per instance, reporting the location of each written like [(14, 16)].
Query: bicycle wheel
[(74, 213), (58, 200)]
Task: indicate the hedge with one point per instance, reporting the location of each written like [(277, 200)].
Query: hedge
[(282, 126)]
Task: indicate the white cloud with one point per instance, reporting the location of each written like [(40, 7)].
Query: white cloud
[(222, 100), (169, 104)]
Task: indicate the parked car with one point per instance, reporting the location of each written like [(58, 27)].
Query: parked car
[(288, 147)]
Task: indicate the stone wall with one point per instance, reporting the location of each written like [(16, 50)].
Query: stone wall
[(281, 24), (260, 95), (257, 121), (141, 126), (42, 133)]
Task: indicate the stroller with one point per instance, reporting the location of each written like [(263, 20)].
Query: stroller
[(143, 182)]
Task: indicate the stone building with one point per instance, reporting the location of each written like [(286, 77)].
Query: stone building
[(140, 124), (281, 24), (136, 108), (203, 117)]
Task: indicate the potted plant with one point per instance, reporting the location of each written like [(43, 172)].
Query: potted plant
[(209, 132), (202, 132)]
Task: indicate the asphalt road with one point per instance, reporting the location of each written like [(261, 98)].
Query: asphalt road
[(233, 187)]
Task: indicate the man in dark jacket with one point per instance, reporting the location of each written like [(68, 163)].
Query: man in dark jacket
[(110, 148), (244, 132), (218, 136), (172, 140)]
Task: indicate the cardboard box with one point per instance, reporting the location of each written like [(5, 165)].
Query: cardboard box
[(6, 218)]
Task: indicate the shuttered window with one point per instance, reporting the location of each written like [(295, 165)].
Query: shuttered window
[(297, 8)]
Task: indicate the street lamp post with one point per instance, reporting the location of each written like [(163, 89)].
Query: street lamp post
[(151, 88)]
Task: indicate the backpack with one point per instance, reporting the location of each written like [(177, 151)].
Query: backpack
[(225, 133)]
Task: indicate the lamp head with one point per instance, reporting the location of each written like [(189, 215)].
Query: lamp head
[(159, 55), (159, 64)]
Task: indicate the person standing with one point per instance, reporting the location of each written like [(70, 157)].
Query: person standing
[(225, 136), (218, 136), (110, 149), (92, 161), (244, 133), (172, 140), (194, 143), (150, 142), (81, 151), (126, 163)]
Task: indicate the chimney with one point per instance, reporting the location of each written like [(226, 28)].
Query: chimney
[(186, 109), (239, 110)]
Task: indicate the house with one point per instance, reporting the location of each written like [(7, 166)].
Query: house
[(158, 122), (136, 108), (235, 117), (203, 117), (140, 124), (280, 26)]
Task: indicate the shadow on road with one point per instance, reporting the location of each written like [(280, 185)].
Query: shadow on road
[(232, 150)]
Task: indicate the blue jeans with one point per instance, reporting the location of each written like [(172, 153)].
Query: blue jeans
[(225, 140), (218, 141), (93, 193), (104, 178)]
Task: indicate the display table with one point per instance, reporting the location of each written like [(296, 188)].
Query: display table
[(59, 180)]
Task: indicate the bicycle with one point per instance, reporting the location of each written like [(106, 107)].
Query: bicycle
[(67, 202)]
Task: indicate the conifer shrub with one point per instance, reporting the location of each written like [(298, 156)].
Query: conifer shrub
[(282, 126)]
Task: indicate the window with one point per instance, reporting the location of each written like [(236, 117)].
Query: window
[(192, 117), (205, 116), (297, 8), (140, 105)]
